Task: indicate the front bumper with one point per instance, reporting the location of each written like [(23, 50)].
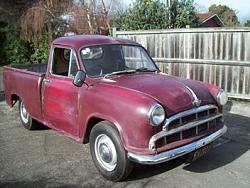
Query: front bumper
[(171, 154)]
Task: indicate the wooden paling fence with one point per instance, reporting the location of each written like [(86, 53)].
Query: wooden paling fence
[(220, 56)]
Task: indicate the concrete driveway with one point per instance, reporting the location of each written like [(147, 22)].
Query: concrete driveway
[(44, 158)]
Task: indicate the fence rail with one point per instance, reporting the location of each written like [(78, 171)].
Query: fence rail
[(220, 56)]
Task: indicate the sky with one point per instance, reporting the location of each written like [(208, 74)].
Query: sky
[(242, 7)]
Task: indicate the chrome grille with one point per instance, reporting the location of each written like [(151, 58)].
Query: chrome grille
[(187, 124)]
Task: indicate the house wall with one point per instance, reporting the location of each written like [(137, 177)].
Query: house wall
[(210, 23)]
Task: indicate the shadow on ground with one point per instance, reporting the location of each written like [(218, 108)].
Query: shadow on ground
[(233, 145), (1, 96), (40, 128), (146, 171)]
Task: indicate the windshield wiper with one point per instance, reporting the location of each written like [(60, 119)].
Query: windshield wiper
[(120, 72), (144, 69), (129, 71)]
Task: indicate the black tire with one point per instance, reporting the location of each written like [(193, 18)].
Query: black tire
[(28, 122), (123, 166)]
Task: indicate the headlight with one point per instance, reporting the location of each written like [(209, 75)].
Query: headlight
[(222, 97), (156, 115)]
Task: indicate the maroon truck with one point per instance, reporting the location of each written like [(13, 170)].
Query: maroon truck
[(108, 92)]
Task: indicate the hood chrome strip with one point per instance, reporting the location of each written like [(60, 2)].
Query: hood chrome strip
[(196, 101)]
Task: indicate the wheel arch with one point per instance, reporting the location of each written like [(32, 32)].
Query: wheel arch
[(14, 99), (93, 120)]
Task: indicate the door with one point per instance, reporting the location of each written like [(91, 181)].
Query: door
[(60, 96)]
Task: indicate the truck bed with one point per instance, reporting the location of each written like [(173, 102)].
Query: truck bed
[(39, 68), (25, 82)]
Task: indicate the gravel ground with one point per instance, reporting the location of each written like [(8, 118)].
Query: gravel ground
[(44, 158)]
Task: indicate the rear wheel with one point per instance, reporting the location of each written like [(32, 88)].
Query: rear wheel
[(107, 152), (27, 121)]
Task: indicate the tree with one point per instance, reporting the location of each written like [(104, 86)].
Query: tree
[(44, 16), (16, 8), (93, 16), (45, 20), (56, 17), (182, 13), (152, 14), (227, 15), (143, 15), (40, 24), (15, 51), (107, 12), (247, 24), (12, 49)]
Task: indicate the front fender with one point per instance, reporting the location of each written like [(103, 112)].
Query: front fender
[(126, 109)]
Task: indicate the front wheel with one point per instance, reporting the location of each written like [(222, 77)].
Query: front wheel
[(27, 121), (107, 152)]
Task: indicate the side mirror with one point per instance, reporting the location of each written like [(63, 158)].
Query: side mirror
[(79, 78)]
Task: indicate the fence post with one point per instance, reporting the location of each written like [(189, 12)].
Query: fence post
[(114, 31)]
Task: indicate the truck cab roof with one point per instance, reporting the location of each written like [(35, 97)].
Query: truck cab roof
[(80, 41)]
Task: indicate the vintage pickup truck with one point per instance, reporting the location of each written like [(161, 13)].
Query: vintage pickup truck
[(108, 92)]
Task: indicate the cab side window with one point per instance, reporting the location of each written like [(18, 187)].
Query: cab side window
[(64, 62)]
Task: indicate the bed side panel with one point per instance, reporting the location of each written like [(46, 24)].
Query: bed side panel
[(27, 86)]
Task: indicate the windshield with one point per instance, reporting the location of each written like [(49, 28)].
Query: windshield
[(107, 59)]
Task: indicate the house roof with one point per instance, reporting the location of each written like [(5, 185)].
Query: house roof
[(204, 17)]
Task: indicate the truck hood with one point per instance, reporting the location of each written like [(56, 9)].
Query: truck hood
[(172, 92)]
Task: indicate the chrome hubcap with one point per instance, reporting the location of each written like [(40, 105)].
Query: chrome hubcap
[(105, 152), (24, 113)]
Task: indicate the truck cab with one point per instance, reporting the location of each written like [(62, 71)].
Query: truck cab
[(108, 92)]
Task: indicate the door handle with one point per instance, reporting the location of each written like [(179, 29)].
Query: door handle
[(46, 80)]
